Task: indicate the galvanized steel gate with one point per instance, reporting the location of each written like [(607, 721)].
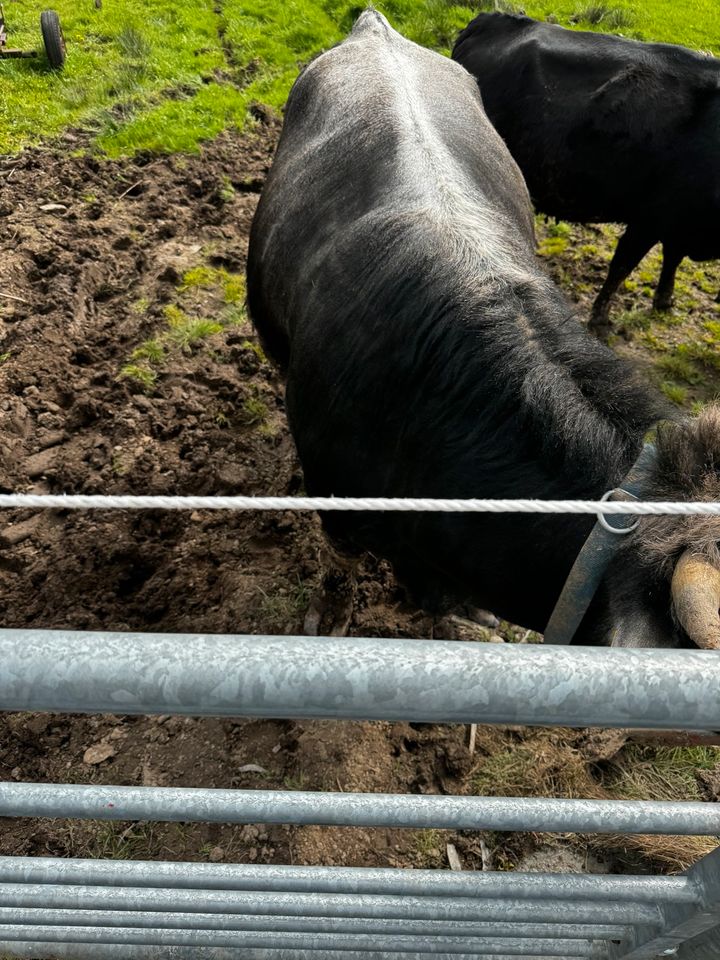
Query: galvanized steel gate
[(74, 909)]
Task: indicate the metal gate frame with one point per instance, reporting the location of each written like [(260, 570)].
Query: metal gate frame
[(75, 909)]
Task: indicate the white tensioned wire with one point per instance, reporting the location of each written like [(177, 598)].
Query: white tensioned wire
[(397, 504)]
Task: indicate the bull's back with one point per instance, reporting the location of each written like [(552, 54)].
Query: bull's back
[(381, 139)]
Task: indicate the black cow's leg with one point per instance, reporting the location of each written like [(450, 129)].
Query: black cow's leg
[(331, 607), (663, 298), (631, 248)]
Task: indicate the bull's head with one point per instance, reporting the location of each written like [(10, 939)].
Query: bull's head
[(664, 588)]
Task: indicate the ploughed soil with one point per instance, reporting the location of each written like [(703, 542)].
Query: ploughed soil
[(112, 381)]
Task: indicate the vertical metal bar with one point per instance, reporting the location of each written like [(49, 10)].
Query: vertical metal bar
[(680, 922), (706, 946)]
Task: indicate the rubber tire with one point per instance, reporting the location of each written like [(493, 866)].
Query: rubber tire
[(52, 38)]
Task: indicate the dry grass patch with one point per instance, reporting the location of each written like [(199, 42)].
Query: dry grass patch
[(601, 765)]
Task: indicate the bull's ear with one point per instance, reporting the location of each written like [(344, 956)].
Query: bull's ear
[(642, 626)]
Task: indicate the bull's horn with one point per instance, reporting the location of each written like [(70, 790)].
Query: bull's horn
[(696, 597)]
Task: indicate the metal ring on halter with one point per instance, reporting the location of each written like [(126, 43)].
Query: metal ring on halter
[(602, 519)]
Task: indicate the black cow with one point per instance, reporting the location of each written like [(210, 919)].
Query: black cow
[(607, 130), (392, 276)]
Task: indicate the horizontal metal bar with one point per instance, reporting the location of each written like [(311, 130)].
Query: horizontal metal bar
[(187, 804), (464, 909), (224, 921), (107, 951), (401, 882), (420, 680), (300, 941)]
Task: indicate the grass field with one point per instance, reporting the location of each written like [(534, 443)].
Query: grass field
[(163, 76)]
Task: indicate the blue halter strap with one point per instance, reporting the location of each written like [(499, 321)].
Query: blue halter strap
[(597, 552)]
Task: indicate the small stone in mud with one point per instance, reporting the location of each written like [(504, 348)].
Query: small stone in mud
[(98, 753), (216, 855), (38, 463), (53, 208)]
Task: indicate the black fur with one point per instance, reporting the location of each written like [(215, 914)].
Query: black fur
[(607, 129), (422, 362)]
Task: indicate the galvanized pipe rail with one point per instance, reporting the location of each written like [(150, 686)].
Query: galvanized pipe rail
[(363, 679), (70, 910), (361, 943), (352, 880), (289, 924), (252, 904), (33, 950), (185, 804)]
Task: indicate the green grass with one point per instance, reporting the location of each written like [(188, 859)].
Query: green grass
[(183, 331), (120, 841), (285, 606), (122, 57), (204, 277), (663, 773), (674, 392), (155, 75), (152, 350), (429, 843), (552, 246), (677, 366), (255, 411), (142, 373), (630, 320), (602, 15)]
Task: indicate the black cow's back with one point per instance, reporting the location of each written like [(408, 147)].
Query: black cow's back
[(603, 128)]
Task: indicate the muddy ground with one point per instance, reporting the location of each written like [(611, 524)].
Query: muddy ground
[(99, 260)]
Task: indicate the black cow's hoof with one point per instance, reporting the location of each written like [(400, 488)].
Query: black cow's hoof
[(600, 326), (453, 627), (663, 306), (331, 607), (484, 618)]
